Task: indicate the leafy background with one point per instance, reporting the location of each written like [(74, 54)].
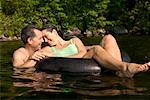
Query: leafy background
[(84, 14)]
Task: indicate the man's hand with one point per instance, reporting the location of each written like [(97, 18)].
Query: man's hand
[(38, 55), (49, 54)]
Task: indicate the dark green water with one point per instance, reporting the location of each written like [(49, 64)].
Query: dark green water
[(28, 85)]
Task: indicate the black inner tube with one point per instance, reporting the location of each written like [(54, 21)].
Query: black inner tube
[(74, 66), (69, 65)]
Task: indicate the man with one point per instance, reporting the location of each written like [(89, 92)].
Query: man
[(27, 56)]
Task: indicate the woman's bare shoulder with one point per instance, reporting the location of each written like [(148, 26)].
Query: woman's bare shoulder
[(46, 48)]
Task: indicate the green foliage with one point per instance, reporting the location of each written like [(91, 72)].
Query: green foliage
[(84, 14), (134, 18), (141, 14)]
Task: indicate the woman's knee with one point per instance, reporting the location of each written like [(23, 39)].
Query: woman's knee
[(109, 38)]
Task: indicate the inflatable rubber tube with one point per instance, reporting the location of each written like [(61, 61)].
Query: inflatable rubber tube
[(74, 66)]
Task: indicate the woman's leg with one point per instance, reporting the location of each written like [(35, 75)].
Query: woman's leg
[(110, 45), (106, 60)]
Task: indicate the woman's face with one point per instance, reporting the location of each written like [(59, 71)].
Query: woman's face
[(51, 37)]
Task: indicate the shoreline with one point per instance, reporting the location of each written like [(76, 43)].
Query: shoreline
[(10, 38)]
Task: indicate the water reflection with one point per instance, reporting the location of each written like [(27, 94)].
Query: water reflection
[(112, 86), (83, 85), (38, 81)]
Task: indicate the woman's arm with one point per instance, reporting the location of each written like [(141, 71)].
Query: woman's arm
[(81, 49), (47, 51)]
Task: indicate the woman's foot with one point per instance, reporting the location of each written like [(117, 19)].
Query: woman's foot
[(132, 69)]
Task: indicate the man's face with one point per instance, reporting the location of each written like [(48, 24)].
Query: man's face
[(37, 40)]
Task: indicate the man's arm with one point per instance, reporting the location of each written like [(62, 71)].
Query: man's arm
[(20, 60)]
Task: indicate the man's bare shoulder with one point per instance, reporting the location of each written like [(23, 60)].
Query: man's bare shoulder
[(21, 51), (20, 56)]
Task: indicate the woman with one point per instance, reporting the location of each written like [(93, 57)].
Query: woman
[(73, 48), (107, 55)]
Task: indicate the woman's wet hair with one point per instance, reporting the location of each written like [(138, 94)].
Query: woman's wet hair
[(27, 31), (50, 27)]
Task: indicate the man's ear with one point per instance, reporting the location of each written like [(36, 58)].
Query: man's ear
[(30, 41)]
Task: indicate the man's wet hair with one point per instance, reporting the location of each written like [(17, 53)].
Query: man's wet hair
[(28, 31), (50, 27)]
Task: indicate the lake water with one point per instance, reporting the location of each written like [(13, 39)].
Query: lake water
[(26, 84)]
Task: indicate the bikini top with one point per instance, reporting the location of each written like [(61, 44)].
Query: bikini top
[(70, 49)]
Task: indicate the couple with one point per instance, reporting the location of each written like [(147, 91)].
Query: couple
[(107, 55)]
